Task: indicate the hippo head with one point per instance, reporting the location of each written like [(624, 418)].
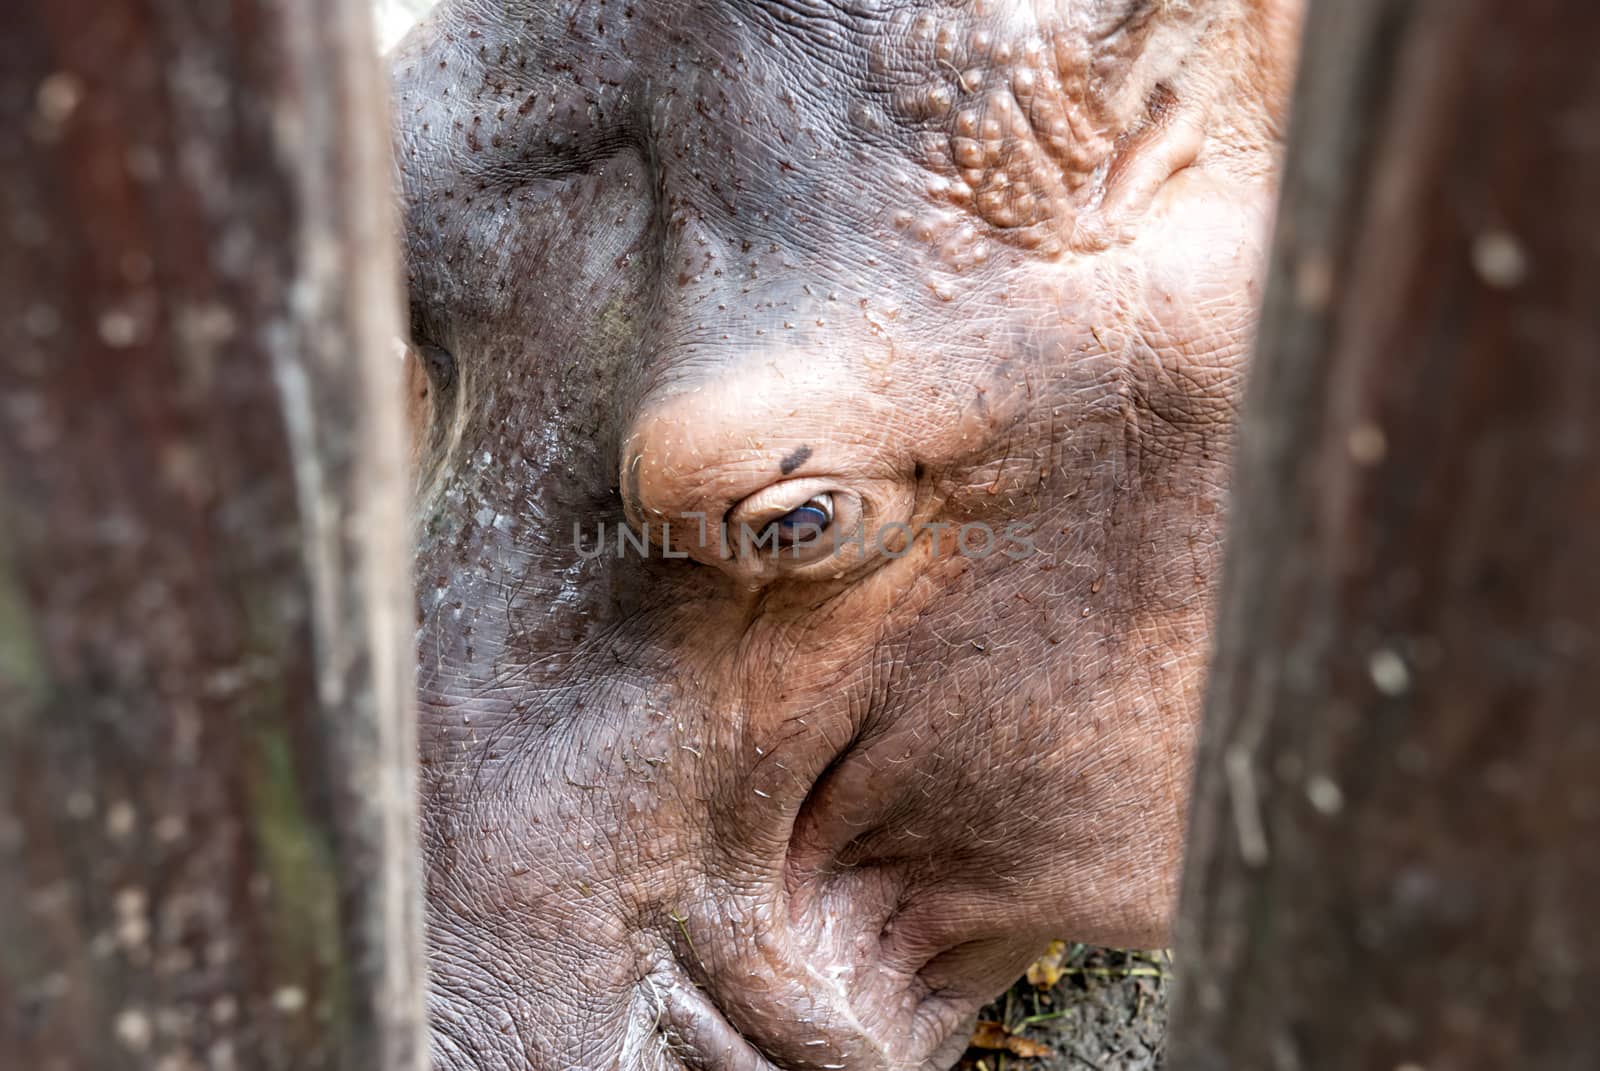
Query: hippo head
[(823, 412)]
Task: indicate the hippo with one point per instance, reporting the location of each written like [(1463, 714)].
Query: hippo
[(822, 413)]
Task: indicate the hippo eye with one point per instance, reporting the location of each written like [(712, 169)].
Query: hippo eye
[(440, 364), (803, 523), (813, 523)]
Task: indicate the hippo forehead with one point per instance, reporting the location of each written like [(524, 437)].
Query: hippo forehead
[(1003, 112)]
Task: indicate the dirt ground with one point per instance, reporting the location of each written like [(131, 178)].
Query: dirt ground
[(1105, 1009)]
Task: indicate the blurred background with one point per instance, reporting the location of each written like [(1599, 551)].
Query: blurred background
[(395, 17)]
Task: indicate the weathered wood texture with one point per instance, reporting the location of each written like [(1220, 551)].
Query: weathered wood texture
[(1395, 853), (206, 744)]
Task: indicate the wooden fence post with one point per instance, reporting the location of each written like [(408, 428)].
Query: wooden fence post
[(207, 830), (1395, 852)]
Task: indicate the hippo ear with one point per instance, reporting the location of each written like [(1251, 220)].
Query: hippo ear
[(1226, 92), (1168, 142)]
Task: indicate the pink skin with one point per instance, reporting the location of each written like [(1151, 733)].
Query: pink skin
[(932, 265)]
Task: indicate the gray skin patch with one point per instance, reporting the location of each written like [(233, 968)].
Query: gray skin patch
[(794, 460)]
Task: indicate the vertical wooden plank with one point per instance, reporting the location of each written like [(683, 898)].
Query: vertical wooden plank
[(1395, 853), (206, 740)]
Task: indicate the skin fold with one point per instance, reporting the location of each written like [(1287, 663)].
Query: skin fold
[(924, 265)]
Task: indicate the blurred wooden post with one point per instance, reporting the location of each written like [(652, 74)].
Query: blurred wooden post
[(206, 805), (1395, 852)]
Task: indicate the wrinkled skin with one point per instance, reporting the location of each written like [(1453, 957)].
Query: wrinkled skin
[(947, 261)]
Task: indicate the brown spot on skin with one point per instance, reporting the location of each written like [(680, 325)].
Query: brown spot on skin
[(794, 460)]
